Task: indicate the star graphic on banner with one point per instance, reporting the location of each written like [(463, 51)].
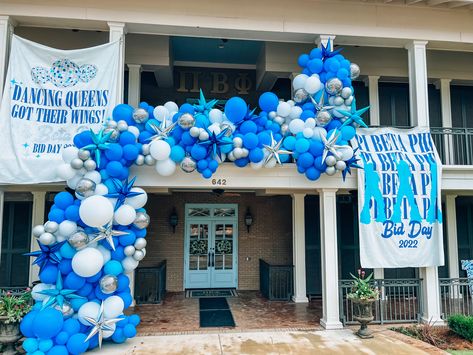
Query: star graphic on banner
[(330, 145), (327, 51), (99, 143), (13, 81), (59, 294), (203, 107), (38, 155), (106, 233), (354, 115), (100, 325), (215, 142), (274, 151), (122, 191), (351, 163), (46, 254), (26, 145), (162, 131)]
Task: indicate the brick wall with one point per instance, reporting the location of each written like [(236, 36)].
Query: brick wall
[(270, 236)]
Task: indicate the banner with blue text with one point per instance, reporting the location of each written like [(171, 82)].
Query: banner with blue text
[(399, 198), (49, 96)]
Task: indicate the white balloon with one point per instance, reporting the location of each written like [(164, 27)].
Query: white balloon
[(88, 309), (101, 189), (171, 106), (38, 230), (194, 131), (60, 239), (125, 215), (312, 85), (87, 262), (35, 291), (94, 176), (338, 101), (299, 81), (257, 166), (319, 132), (67, 228), (161, 113), (166, 167), (137, 201), (271, 163), (134, 130), (308, 132), (96, 211), (295, 112), (215, 115), (47, 238), (109, 333), (66, 171), (310, 122), (214, 128), (346, 152), (160, 150), (203, 135), (69, 153), (129, 264), (284, 109), (112, 307), (106, 253), (296, 126)]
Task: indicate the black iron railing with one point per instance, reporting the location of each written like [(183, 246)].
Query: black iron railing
[(454, 145), (276, 281), (455, 296), (150, 284)]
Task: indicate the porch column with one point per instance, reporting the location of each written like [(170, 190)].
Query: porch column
[(418, 96), (446, 102), (6, 32), (117, 32), (453, 262), (373, 88), (134, 84), (298, 248), (2, 202), (329, 254), (39, 202), (430, 295)]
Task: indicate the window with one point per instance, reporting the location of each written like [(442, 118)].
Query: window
[(394, 104)]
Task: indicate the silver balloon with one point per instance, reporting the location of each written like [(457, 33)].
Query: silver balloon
[(340, 165), (66, 309), (228, 127), (194, 131), (140, 115), (140, 243), (333, 86), (138, 255), (284, 128), (279, 120), (129, 250), (300, 95), (186, 121), (38, 230), (145, 149), (112, 124), (140, 160), (272, 115), (338, 100), (114, 134), (149, 160), (346, 92), (90, 165), (78, 240), (122, 126), (142, 220), (144, 251), (47, 238), (330, 170), (323, 118), (77, 163), (237, 142), (330, 160), (51, 227), (85, 187), (349, 101), (84, 154), (108, 284), (354, 71), (188, 165)]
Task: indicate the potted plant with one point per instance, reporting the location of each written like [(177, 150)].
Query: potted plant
[(13, 306), (363, 295)]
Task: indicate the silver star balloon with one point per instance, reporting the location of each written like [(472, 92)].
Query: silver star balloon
[(330, 145), (106, 232), (274, 151), (100, 325), (162, 131), (320, 105)]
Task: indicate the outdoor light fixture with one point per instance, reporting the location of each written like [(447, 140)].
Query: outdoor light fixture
[(173, 219), (248, 219)]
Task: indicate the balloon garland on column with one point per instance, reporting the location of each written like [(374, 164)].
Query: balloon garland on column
[(95, 234)]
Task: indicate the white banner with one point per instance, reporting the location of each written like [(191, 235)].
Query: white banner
[(49, 96), (399, 198)]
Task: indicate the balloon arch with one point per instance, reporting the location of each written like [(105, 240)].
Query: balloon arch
[(95, 233)]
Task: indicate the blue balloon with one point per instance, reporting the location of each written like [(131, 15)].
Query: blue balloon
[(312, 173), (114, 152), (126, 297), (289, 142), (118, 253), (134, 319), (348, 132), (342, 73), (84, 290), (67, 251), (76, 303), (63, 200), (72, 213), (316, 147), (315, 65), (56, 215), (114, 169), (269, 101), (187, 108), (128, 238), (113, 267), (30, 345), (242, 162), (236, 109), (127, 138), (45, 345), (65, 266), (74, 281), (26, 324), (95, 277), (305, 160), (248, 126), (256, 155), (47, 323), (49, 274), (123, 112), (302, 61), (177, 153), (129, 330), (207, 173), (123, 283), (307, 114), (198, 152), (58, 350), (319, 164), (61, 338), (213, 165), (187, 139), (302, 145), (250, 141), (144, 137), (118, 336), (71, 326), (315, 53), (264, 139)]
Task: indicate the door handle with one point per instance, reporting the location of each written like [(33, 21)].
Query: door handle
[(213, 259), (209, 257)]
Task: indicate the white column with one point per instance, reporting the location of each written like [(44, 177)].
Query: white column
[(39, 201), (117, 32), (323, 39), (446, 102), (2, 202), (374, 99), (6, 32), (298, 248), (329, 253), (419, 99), (378, 274), (134, 84), (431, 295), (453, 262)]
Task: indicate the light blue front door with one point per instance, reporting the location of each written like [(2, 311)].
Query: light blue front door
[(211, 246)]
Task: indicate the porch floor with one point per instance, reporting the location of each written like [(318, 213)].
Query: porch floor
[(251, 311)]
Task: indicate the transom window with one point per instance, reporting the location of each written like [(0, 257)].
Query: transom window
[(206, 211)]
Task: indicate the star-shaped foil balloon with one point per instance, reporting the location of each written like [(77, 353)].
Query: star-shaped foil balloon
[(215, 143), (327, 51), (99, 143), (204, 107), (320, 104), (250, 116), (59, 294), (330, 145), (100, 325), (354, 115), (162, 131), (274, 151), (122, 191), (47, 254), (107, 233), (351, 163)]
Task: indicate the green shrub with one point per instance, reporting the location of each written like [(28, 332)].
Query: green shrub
[(461, 325)]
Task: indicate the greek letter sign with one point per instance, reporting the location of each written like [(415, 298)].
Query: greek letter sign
[(50, 95), (399, 198)]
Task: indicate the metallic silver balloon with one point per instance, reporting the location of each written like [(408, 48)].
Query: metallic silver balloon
[(349, 101), (90, 165), (333, 86), (140, 160), (140, 243), (129, 250), (338, 100), (149, 160), (77, 163), (122, 126), (228, 127), (140, 115), (51, 226), (284, 128), (78, 240), (84, 154), (346, 92), (300, 95), (142, 220), (194, 131), (108, 284), (47, 238), (330, 160), (114, 134), (112, 124), (323, 118), (354, 71), (330, 170), (145, 149), (188, 165), (38, 230), (237, 142), (66, 309), (186, 121), (138, 255), (85, 187), (340, 165)]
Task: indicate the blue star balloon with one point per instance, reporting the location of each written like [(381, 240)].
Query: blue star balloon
[(204, 107), (99, 143), (47, 254), (354, 115), (215, 143), (122, 191), (351, 163), (59, 294), (250, 116), (327, 51)]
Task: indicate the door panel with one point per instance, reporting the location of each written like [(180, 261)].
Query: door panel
[(198, 249), (223, 251)]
